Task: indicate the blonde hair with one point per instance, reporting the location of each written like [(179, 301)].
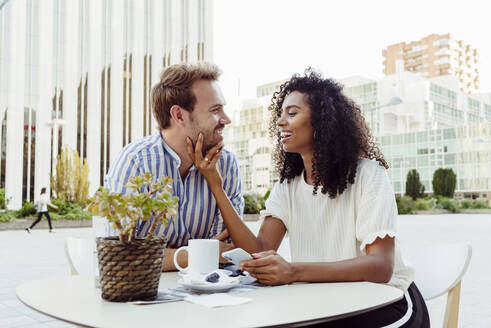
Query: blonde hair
[(174, 88)]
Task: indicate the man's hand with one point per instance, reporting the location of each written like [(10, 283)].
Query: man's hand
[(223, 245), (222, 235), (223, 248), (269, 268)]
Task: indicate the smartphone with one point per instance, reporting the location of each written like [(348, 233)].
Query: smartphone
[(236, 256)]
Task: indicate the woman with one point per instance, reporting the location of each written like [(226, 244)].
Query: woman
[(43, 210), (334, 199)]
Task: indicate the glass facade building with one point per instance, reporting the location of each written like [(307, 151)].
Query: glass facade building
[(426, 104), (464, 149), (79, 73), (248, 138)]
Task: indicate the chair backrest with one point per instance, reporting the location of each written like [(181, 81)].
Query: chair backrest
[(80, 255), (438, 267)]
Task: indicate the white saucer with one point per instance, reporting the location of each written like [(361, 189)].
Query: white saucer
[(210, 287), (200, 284), (219, 271)]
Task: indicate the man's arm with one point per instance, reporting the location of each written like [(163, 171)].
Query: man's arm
[(182, 259)]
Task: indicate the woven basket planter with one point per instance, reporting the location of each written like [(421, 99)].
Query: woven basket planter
[(130, 271)]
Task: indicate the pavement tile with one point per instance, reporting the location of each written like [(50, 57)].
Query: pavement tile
[(34, 325), (13, 302), (38, 316), (8, 312), (16, 321), (58, 324)]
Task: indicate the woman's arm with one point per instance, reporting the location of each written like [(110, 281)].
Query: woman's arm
[(51, 204), (377, 266), (272, 232)]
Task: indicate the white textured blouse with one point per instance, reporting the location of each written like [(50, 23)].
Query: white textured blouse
[(325, 230)]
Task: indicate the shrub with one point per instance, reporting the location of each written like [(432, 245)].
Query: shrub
[(3, 201), (71, 179), (65, 207), (444, 181), (252, 203), (414, 187), (27, 209), (7, 216), (78, 214), (465, 203), (422, 204), (478, 204), (404, 204), (432, 202), (55, 216), (449, 204)]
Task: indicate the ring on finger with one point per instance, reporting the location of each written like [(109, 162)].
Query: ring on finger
[(206, 159)]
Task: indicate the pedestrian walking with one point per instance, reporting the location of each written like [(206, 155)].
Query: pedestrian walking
[(42, 207)]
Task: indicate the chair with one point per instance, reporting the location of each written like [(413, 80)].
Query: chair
[(439, 269), (80, 255)]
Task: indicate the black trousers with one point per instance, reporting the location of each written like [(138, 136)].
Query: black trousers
[(410, 311), (39, 219)]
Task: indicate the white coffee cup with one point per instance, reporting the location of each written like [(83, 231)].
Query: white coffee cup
[(202, 256)]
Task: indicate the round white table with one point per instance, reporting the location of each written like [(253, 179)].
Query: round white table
[(74, 299)]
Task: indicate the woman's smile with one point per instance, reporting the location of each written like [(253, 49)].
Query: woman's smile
[(285, 135)]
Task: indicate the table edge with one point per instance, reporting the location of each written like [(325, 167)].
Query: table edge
[(291, 324)]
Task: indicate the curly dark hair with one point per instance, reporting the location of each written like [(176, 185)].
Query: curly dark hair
[(341, 135)]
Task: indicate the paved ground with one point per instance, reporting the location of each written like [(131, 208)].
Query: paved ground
[(25, 257)]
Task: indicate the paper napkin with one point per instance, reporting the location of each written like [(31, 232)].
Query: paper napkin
[(216, 300)]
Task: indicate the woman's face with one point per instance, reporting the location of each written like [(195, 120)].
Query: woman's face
[(295, 124)]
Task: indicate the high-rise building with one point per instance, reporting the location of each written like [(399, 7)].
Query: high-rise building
[(423, 104), (465, 149), (436, 55), (267, 90), (248, 138), (435, 125), (79, 73)]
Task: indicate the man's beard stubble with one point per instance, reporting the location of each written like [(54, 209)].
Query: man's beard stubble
[(209, 140)]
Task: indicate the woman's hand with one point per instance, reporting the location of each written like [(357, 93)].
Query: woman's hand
[(269, 268), (207, 166)]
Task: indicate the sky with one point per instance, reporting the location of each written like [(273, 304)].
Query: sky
[(262, 41)]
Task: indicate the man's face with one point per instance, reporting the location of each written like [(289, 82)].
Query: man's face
[(208, 116)]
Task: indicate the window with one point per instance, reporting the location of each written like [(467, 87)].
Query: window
[(422, 161), (422, 136)]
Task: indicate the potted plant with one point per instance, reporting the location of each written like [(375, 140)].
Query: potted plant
[(129, 267)]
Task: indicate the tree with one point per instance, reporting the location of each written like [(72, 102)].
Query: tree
[(414, 187), (71, 181), (444, 181)]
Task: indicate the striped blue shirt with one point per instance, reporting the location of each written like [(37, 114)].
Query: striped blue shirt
[(198, 215)]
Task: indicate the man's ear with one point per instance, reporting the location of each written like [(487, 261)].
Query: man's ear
[(177, 114)]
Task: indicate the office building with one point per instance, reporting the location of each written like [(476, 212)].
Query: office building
[(464, 149), (248, 138), (422, 103), (434, 125), (79, 73), (268, 89), (436, 55)]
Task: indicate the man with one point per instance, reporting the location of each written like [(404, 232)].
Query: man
[(186, 102)]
